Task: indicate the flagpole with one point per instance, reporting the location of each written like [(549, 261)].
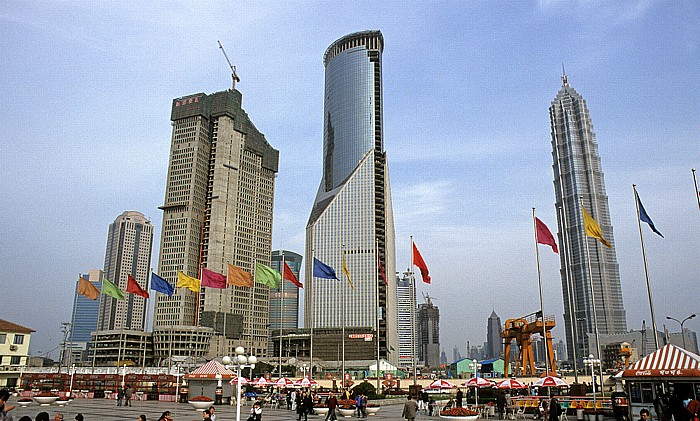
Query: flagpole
[(569, 288), (310, 284), (646, 269), (344, 308), (72, 324), (590, 283), (281, 308), (539, 283), (413, 320), (250, 308), (695, 180), (376, 283), (146, 311)]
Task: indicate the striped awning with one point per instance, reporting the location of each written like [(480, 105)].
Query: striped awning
[(668, 361), (210, 370)]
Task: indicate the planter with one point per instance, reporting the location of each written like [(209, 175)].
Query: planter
[(346, 412), (61, 402), (201, 405), (462, 418), (45, 400), (321, 411), (372, 410), (24, 404)]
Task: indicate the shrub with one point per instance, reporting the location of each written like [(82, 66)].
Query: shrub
[(458, 412), (201, 399)]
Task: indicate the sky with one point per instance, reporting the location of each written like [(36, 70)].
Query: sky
[(86, 91)]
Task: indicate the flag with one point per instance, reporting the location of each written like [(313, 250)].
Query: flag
[(593, 229), (322, 270), (267, 276), (544, 236), (133, 287), (87, 288), (108, 288), (644, 216), (212, 279), (161, 285), (289, 275), (420, 263), (239, 277), (381, 269), (347, 272), (184, 281)]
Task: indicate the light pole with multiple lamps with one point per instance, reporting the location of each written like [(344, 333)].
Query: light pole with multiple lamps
[(475, 366), (239, 362), (681, 323), (593, 362)]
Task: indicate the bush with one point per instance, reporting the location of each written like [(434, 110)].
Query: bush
[(366, 388)]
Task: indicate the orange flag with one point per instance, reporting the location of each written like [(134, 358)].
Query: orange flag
[(239, 277), (87, 289)]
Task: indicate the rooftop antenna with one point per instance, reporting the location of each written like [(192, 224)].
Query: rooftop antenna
[(564, 78), (234, 76)]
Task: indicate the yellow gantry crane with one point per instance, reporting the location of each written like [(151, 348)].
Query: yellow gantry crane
[(521, 329)]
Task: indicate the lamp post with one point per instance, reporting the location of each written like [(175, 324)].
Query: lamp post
[(681, 323), (592, 362), (240, 361), (475, 366), (72, 373)]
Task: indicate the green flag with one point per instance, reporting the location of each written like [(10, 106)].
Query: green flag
[(108, 288), (267, 276)]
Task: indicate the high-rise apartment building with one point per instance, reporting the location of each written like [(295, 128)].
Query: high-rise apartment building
[(494, 343), (578, 174), (352, 213), (284, 301), (129, 246), (429, 334), (407, 318), (217, 211)]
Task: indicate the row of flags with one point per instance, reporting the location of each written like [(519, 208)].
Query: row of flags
[(236, 276)]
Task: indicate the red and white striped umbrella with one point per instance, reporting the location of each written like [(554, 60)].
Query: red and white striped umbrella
[(551, 381), (235, 380), (441, 384), (510, 384), (262, 381), (306, 382), (284, 382), (477, 382)]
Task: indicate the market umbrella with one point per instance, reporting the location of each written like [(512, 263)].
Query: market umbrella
[(510, 384), (476, 383), (306, 382), (284, 382), (235, 380), (551, 381), (441, 384), (261, 382)]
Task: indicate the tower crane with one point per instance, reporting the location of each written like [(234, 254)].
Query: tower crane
[(234, 75)]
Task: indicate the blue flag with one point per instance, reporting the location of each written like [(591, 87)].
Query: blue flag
[(321, 270), (644, 217), (161, 285)]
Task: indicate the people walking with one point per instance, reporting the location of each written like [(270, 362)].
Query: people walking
[(332, 404), (128, 393), (120, 396), (409, 409), (460, 396)]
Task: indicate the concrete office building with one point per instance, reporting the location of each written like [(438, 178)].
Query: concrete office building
[(352, 212), (429, 334), (217, 211), (129, 246), (407, 319), (578, 173), (284, 301), (494, 343)]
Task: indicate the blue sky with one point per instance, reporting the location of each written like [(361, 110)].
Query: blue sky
[(87, 88)]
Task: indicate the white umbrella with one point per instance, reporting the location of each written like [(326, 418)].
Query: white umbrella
[(510, 384), (441, 384), (476, 383), (551, 381)]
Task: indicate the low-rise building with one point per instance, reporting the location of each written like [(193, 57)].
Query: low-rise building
[(14, 352)]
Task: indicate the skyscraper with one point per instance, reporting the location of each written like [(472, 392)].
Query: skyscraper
[(429, 334), (129, 246), (284, 301), (352, 212), (407, 318), (86, 313), (217, 211), (494, 342), (578, 174)]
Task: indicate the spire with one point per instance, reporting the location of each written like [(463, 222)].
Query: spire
[(564, 79)]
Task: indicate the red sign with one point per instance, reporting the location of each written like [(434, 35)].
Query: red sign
[(365, 336)]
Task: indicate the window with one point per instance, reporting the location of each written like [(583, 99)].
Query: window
[(19, 339), (3, 336), (15, 360)]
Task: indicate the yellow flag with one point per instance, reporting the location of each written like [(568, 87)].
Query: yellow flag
[(346, 272), (593, 229), (184, 281), (239, 277)]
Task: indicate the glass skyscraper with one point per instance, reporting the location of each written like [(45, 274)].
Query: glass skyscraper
[(578, 174), (352, 211)]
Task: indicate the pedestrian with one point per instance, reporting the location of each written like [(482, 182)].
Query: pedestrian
[(4, 408), (501, 404), (409, 409), (300, 404), (57, 416), (79, 417), (424, 401), (212, 414), (289, 400), (142, 417), (460, 396), (554, 409), (431, 407), (165, 416), (358, 404), (644, 414), (25, 418), (120, 396), (128, 392), (42, 416), (332, 404), (256, 412), (206, 415)]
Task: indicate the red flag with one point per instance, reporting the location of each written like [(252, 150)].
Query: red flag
[(420, 263), (212, 279), (381, 270), (289, 275), (133, 287), (544, 236)]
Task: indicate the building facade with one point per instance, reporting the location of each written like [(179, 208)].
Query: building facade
[(352, 218), (129, 246), (429, 334), (284, 301), (407, 319), (14, 352), (86, 313), (578, 176), (494, 346), (217, 211)]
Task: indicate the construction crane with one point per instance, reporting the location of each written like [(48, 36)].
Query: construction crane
[(521, 329), (234, 75)]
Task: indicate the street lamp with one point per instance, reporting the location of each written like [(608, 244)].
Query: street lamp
[(475, 366), (681, 323), (592, 362), (240, 361)]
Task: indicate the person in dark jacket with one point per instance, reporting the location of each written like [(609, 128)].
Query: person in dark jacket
[(501, 404), (460, 396), (332, 404)]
